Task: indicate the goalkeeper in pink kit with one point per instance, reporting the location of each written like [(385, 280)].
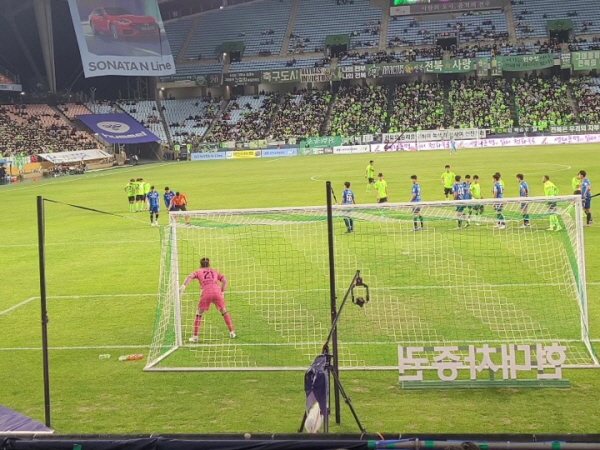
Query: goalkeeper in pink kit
[(212, 292)]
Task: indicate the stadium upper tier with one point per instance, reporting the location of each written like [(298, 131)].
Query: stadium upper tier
[(423, 29), (531, 16), (261, 26), (316, 19)]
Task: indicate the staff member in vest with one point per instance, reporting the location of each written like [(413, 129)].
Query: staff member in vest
[(179, 203)]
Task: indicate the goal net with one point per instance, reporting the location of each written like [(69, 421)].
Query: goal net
[(489, 279)]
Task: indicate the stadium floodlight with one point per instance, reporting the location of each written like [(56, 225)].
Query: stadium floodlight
[(482, 283)]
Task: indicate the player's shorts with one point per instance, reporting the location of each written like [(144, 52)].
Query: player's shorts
[(154, 209), (478, 208), (140, 197), (460, 208), (207, 298), (524, 206), (371, 180), (382, 200), (447, 191), (179, 208), (552, 206), (416, 210), (577, 192), (131, 198), (498, 206), (586, 202)]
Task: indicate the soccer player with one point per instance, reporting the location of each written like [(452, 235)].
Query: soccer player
[(453, 146), (139, 195), (448, 181), (211, 293), (586, 195), (576, 185), (475, 192), (415, 197), (523, 192), (130, 191), (179, 203), (146, 190), (458, 191), (382, 191), (550, 190), (370, 175), (500, 180), (467, 184), (153, 203), (498, 192), (348, 199), (167, 197)]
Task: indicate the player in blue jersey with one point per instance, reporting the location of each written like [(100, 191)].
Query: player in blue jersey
[(153, 205), (586, 196), (348, 199), (468, 196), (458, 191), (167, 197), (498, 192), (415, 197), (453, 146), (524, 192)]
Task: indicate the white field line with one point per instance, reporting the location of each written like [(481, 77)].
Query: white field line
[(18, 305), (76, 243), (82, 347)]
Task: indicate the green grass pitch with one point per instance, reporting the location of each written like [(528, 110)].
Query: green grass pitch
[(102, 274)]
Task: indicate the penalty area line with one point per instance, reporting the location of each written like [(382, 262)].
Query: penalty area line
[(67, 297), (18, 305)]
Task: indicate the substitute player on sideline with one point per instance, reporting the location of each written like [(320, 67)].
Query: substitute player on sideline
[(211, 293)]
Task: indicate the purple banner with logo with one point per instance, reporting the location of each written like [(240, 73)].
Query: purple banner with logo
[(118, 128)]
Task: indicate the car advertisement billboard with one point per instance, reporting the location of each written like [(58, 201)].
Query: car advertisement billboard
[(121, 37), (118, 128)]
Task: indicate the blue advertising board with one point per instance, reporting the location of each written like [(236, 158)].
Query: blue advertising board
[(273, 152), (207, 156)]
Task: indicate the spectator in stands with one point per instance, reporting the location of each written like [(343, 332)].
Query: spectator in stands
[(586, 91), (359, 109), (301, 114), (417, 106)]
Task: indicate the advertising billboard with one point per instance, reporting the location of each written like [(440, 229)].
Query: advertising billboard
[(121, 37), (118, 128)]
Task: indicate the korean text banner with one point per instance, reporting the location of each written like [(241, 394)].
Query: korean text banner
[(121, 37), (118, 128)]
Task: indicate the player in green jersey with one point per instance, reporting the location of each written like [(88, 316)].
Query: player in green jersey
[(130, 191), (550, 190), (447, 181), (139, 195), (576, 185), (381, 186), (370, 176), (146, 191), (475, 190)]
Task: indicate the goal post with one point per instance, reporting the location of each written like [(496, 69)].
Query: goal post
[(490, 279)]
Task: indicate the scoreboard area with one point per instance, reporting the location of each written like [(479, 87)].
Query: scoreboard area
[(416, 7)]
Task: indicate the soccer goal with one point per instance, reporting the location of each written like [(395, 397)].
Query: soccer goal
[(498, 276)]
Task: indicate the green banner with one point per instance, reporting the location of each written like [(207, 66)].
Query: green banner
[(459, 65), (565, 61), (521, 63), (586, 60), (321, 141)]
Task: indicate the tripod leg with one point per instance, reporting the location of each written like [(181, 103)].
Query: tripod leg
[(337, 381), (301, 429)]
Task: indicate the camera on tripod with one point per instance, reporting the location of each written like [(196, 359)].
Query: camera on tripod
[(357, 299)]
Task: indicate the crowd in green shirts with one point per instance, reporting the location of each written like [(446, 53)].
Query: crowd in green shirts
[(253, 124), (301, 114), (358, 109), (480, 103), (418, 106), (587, 95), (542, 101)]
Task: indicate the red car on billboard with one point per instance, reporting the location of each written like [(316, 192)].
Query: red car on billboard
[(120, 23)]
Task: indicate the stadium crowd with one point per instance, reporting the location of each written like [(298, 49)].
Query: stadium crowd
[(587, 95), (23, 132), (359, 109), (417, 106), (542, 101), (480, 103), (301, 114), (253, 123)]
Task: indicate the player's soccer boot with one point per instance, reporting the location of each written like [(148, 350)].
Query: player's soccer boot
[(194, 339), (232, 334), (558, 228)]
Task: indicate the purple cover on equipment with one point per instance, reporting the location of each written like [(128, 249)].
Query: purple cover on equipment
[(12, 421)]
